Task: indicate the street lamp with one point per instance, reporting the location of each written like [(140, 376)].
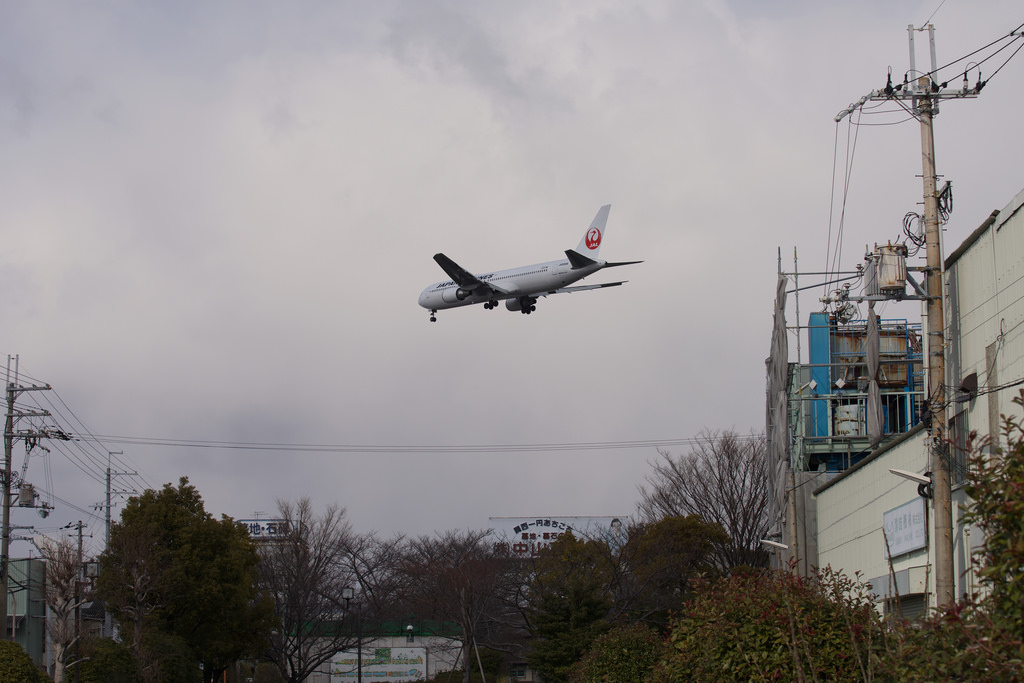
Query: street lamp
[(779, 547), (347, 593), (923, 481)]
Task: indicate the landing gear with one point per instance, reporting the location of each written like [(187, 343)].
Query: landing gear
[(493, 303), (433, 316), (527, 305)]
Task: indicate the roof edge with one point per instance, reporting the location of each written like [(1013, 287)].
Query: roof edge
[(906, 436)]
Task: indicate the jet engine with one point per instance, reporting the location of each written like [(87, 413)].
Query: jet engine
[(524, 304), (450, 296)]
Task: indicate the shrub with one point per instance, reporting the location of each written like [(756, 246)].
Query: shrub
[(980, 638), (107, 661), (16, 666), (623, 655), (775, 626)]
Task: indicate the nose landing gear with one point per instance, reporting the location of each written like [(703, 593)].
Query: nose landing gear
[(433, 316)]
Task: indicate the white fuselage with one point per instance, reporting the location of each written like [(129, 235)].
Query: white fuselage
[(530, 281)]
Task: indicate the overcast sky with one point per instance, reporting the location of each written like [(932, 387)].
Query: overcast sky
[(217, 218)]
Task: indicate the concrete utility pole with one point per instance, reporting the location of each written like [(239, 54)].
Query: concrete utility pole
[(13, 391), (941, 476), (78, 601), (925, 95), (108, 625)]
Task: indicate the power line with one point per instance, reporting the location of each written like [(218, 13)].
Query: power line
[(366, 449), (87, 457), (926, 21)]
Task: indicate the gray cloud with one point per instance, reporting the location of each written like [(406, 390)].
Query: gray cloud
[(218, 218)]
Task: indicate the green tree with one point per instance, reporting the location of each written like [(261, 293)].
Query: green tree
[(16, 666), (626, 654), (570, 597), (174, 569)]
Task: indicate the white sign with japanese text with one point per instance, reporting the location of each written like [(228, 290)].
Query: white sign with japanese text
[(265, 529), (527, 536), (906, 528)]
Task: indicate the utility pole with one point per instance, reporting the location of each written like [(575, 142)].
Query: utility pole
[(108, 629), (925, 93), (941, 476), (107, 506), (13, 391), (78, 601), (107, 621)]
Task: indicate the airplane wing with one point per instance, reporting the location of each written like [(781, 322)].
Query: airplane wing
[(583, 288), (466, 280)]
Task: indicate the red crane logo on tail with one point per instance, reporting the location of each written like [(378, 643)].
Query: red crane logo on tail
[(593, 238)]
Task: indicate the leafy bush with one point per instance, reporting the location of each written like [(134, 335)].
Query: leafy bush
[(16, 666), (108, 662), (997, 487), (775, 626), (623, 655), (980, 638)]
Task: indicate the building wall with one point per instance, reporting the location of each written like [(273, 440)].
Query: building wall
[(26, 606), (985, 310), (851, 514), (852, 506), (984, 335)]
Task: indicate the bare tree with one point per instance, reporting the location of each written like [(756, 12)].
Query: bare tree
[(460, 576), (305, 574), (723, 479), (375, 566), (63, 571)]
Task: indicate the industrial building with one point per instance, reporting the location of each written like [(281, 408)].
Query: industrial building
[(26, 606), (851, 451)]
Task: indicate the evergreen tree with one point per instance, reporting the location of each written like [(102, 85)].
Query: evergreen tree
[(570, 598), (174, 569)]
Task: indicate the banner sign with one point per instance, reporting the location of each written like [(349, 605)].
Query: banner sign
[(390, 663), (265, 529), (527, 536)]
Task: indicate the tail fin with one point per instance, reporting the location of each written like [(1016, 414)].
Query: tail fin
[(592, 238)]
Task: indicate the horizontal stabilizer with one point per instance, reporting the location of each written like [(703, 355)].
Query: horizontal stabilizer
[(621, 263), (583, 288)]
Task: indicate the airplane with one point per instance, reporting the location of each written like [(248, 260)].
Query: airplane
[(520, 287)]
